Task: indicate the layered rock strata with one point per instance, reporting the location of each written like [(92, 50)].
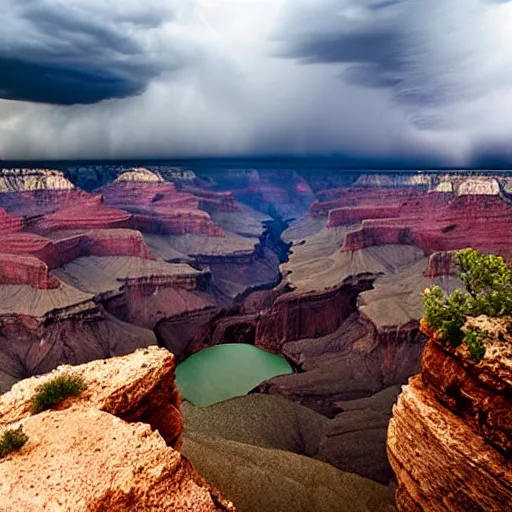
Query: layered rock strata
[(125, 429), (450, 439), (32, 192), (435, 221), (156, 206)]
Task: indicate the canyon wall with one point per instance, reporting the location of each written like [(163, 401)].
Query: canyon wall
[(450, 438)]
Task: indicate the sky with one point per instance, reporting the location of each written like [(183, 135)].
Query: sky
[(399, 80)]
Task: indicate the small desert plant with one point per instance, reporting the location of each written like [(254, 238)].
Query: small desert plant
[(488, 282), (55, 391), (11, 440)]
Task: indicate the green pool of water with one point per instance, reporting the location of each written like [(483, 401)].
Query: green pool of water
[(227, 371)]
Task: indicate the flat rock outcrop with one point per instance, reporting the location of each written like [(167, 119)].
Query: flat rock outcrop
[(450, 438), (124, 431)]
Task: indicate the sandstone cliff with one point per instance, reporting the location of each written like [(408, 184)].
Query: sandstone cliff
[(450, 439), (115, 447)]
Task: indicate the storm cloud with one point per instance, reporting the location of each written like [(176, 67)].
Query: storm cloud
[(68, 52), (391, 79), (439, 58)]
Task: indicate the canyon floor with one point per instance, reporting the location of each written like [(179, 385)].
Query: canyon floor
[(323, 270)]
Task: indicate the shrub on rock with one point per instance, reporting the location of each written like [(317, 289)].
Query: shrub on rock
[(12, 440), (54, 391), (488, 291)]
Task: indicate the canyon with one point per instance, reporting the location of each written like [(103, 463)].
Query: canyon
[(324, 269)]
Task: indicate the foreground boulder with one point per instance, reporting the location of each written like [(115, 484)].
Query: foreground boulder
[(114, 447), (450, 438)]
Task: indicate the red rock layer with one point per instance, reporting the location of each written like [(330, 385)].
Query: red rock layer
[(40, 202), (434, 222), (29, 244), (211, 201), (26, 270), (450, 439), (119, 242), (370, 198), (9, 224), (176, 222), (309, 315), (158, 208), (36, 255), (90, 214), (356, 215)]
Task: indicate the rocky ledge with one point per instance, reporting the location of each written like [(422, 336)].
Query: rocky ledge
[(115, 447), (450, 438)]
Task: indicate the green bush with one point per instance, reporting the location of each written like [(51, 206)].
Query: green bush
[(55, 391), (488, 282), (11, 440)]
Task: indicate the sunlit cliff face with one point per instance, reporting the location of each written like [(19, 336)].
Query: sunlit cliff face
[(390, 79)]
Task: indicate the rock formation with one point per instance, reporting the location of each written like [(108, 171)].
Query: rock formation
[(450, 439), (115, 447), (445, 218), (28, 180), (33, 192), (156, 206), (139, 175)]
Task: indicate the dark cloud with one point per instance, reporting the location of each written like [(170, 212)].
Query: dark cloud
[(64, 85), (80, 52), (363, 32), (432, 55), (375, 47)]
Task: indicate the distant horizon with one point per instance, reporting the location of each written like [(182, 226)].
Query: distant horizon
[(335, 163)]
